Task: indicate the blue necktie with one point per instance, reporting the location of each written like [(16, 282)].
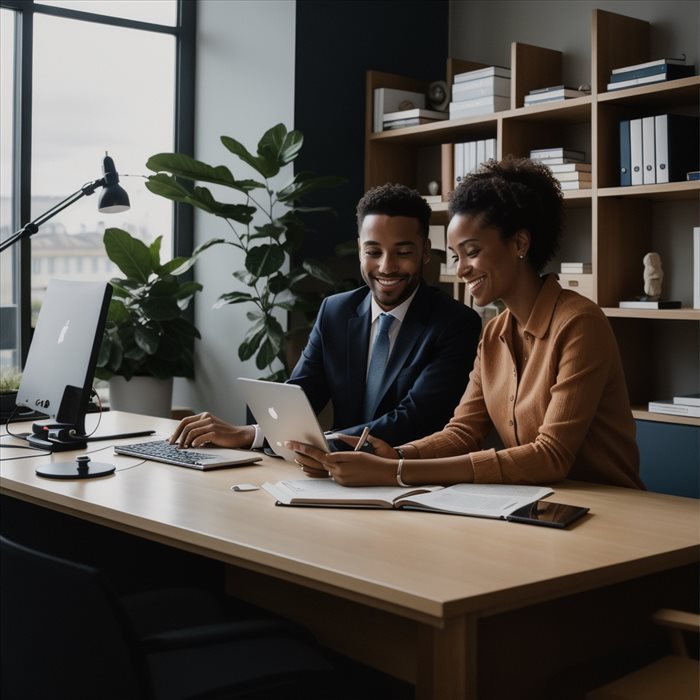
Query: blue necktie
[(377, 365)]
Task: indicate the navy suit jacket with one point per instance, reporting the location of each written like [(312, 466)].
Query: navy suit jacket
[(427, 371)]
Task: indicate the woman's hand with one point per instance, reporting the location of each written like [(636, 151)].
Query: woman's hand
[(348, 468), (379, 447), (204, 429)]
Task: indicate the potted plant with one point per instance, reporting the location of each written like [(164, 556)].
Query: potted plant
[(10, 378), (148, 338), (267, 227)]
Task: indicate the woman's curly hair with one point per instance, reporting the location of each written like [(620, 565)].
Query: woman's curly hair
[(513, 194)]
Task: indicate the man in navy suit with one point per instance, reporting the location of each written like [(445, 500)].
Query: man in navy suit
[(432, 339)]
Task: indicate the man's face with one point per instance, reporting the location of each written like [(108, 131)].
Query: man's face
[(392, 255)]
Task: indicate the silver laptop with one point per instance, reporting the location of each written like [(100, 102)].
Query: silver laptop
[(203, 458), (283, 413)]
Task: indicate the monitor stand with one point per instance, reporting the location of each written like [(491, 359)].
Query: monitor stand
[(57, 437), (81, 468)]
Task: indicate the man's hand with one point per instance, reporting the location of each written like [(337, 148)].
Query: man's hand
[(206, 429)]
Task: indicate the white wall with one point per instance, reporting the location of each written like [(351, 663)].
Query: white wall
[(482, 30), (244, 85)]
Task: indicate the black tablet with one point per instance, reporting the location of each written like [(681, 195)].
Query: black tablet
[(547, 513)]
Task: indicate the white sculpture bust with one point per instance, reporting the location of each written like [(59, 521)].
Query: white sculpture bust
[(653, 275)]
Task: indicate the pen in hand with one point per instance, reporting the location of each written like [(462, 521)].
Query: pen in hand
[(362, 439)]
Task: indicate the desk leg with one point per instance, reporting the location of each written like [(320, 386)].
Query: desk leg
[(447, 660)]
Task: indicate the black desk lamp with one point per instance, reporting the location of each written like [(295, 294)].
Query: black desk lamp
[(112, 200)]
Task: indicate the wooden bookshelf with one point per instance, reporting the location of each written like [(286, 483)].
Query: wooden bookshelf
[(621, 229)]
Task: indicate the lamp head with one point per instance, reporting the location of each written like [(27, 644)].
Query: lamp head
[(113, 197)]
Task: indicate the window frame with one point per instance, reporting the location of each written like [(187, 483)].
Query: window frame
[(184, 32)]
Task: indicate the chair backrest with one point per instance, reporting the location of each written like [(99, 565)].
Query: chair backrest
[(63, 633)]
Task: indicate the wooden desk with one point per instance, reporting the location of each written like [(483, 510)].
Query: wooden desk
[(422, 596)]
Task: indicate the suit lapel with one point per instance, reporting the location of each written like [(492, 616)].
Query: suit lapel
[(357, 348)]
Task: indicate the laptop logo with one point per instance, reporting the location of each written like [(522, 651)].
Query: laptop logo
[(64, 330), (273, 413)]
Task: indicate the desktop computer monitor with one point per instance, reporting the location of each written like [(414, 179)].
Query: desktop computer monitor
[(58, 375)]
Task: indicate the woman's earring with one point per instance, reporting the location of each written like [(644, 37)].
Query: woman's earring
[(521, 257)]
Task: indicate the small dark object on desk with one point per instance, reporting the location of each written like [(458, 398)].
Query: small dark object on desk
[(548, 513)]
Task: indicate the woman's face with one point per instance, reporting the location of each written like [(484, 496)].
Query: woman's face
[(485, 261)]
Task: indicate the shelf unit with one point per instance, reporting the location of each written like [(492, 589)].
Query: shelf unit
[(614, 225)]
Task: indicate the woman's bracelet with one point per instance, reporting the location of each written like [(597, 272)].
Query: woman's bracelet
[(399, 481)]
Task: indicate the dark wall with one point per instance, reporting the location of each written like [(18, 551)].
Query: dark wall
[(337, 41)]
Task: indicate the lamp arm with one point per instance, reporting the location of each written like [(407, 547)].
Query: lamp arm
[(33, 226)]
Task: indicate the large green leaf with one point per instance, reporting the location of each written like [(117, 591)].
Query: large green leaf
[(202, 198), (129, 254), (250, 344), (275, 332), (264, 260), (266, 355), (146, 339), (255, 315), (279, 146), (166, 186), (183, 165), (166, 287), (117, 312), (318, 271), (175, 267), (160, 308), (291, 147), (259, 164), (303, 183), (278, 283), (188, 289), (154, 250), (233, 298), (243, 276), (273, 231)]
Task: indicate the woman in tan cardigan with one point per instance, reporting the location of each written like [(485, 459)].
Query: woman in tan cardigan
[(547, 375)]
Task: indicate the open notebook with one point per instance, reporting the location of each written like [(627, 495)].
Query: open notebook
[(479, 500)]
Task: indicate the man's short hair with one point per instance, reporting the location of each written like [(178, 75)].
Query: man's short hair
[(395, 200)]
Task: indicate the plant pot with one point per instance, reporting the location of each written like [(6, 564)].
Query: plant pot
[(146, 395), (7, 404)]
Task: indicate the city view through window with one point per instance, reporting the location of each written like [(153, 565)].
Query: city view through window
[(96, 88)]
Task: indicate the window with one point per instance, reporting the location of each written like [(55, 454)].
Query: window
[(88, 77)]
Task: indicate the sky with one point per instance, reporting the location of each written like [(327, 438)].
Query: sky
[(96, 88)]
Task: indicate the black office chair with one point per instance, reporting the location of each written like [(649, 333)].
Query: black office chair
[(66, 635)]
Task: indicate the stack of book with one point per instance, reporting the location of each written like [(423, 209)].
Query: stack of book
[(387, 100), (556, 93), (569, 166), (687, 405), (576, 268), (411, 117), (575, 176), (481, 91), (578, 277), (658, 149), (650, 72), (469, 156)]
